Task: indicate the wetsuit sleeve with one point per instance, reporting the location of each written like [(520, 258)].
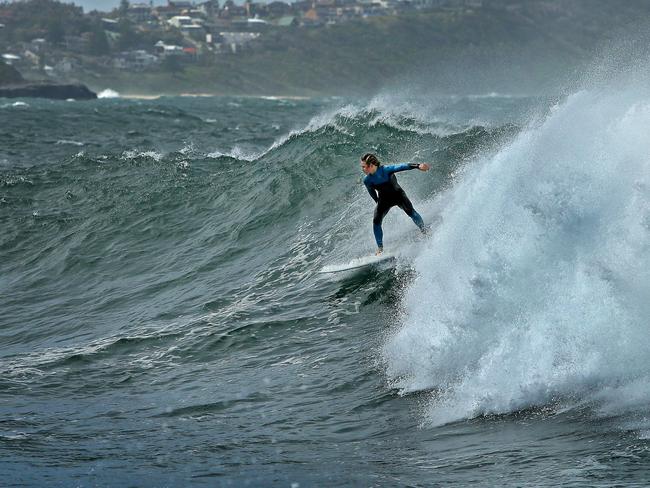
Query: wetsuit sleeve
[(372, 192), (394, 168)]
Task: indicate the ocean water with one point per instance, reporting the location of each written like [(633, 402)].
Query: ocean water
[(163, 321)]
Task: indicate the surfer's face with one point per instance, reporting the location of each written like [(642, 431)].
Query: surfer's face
[(368, 169)]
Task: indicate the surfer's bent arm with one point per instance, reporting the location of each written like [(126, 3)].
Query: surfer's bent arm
[(372, 192), (394, 168)]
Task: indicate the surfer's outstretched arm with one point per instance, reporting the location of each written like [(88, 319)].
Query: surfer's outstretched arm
[(394, 168)]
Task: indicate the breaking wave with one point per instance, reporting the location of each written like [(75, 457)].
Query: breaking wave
[(534, 289)]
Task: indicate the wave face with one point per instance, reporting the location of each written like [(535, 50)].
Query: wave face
[(534, 290), (163, 321), (143, 195)]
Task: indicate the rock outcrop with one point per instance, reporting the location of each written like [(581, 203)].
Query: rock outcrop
[(47, 90)]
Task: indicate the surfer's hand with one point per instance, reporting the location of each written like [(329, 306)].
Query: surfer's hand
[(423, 167)]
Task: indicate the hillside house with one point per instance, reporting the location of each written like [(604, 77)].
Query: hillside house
[(11, 59), (139, 12), (194, 31), (286, 21), (235, 41), (77, 44), (38, 45), (138, 60), (179, 21), (230, 11), (165, 50)]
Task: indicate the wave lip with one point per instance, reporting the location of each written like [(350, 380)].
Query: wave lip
[(15, 105), (534, 289), (236, 153), (69, 142)]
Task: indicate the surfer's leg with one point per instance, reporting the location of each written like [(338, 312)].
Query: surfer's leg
[(407, 206), (417, 219), (380, 212)]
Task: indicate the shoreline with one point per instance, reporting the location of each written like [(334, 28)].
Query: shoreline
[(139, 96)]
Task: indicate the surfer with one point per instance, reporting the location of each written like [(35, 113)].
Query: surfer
[(382, 185)]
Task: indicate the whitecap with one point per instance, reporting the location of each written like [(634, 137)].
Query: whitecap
[(236, 153), (15, 105), (134, 154), (68, 142)]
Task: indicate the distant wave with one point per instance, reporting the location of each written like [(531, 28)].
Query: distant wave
[(15, 105), (353, 121), (236, 153), (135, 154), (69, 142)]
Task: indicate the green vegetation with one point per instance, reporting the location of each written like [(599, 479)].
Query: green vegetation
[(172, 65), (502, 45), (54, 21), (522, 50), (47, 19), (526, 48), (9, 75)]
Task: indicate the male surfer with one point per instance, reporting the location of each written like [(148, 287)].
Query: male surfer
[(384, 190)]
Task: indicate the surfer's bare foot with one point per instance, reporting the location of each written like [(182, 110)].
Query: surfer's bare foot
[(379, 251)]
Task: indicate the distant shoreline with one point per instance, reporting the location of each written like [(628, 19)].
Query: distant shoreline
[(138, 96)]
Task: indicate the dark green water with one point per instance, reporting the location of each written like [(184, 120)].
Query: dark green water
[(163, 321)]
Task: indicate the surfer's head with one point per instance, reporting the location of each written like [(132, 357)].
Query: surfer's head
[(369, 163)]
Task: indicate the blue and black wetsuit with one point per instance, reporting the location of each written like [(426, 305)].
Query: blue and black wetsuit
[(384, 189)]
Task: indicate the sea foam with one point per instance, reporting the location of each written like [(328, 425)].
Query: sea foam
[(534, 289), (108, 93)]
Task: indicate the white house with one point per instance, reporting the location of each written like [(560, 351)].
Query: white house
[(10, 58), (239, 38), (136, 60), (179, 21), (66, 65), (139, 12), (165, 50), (235, 40)]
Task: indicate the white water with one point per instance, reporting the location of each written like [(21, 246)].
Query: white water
[(356, 263), (108, 93), (535, 289)]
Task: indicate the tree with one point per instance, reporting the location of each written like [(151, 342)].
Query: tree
[(124, 8), (172, 64), (129, 38), (9, 75), (55, 31), (98, 45)]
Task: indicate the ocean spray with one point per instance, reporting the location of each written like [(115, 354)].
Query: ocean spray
[(534, 289)]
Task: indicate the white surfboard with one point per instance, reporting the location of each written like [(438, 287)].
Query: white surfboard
[(357, 263)]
